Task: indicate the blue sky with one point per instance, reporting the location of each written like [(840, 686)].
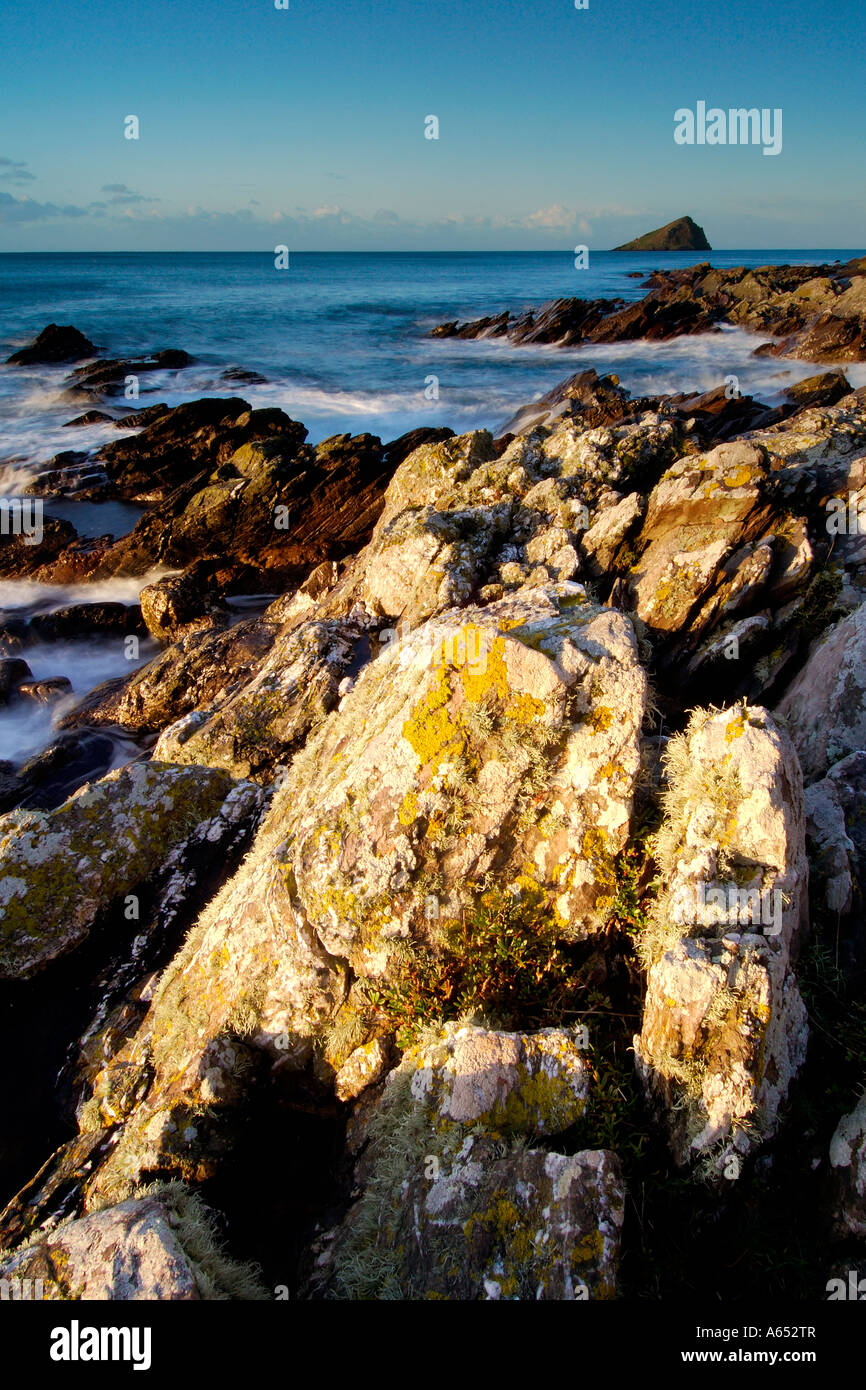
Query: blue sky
[(305, 126)]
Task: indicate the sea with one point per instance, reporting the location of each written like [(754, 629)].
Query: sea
[(342, 343)]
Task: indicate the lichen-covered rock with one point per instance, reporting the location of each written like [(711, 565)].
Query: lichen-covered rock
[(262, 725), (459, 519), (60, 868), (724, 1028), (534, 1083), (159, 1247), (848, 1161), (362, 1068), (452, 1204), (523, 1225), (825, 706)]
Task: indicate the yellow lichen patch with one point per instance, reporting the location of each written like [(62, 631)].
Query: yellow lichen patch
[(600, 719), (409, 809), (430, 729), (739, 477)]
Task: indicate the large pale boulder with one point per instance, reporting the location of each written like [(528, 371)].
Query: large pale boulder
[(492, 742), (155, 1247), (724, 1028)]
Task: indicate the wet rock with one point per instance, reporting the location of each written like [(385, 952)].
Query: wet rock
[(189, 675), (192, 438), (14, 634), (60, 867), (140, 419), (586, 397), (22, 553), (272, 508), (55, 343), (244, 376), (45, 690), (48, 778), (12, 671), (827, 388), (816, 311), (106, 377), (724, 1028), (88, 620)]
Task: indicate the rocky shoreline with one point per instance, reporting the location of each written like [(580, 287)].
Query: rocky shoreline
[(816, 313), (504, 860)]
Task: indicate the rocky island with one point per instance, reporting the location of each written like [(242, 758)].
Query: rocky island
[(504, 863), (681, 235)]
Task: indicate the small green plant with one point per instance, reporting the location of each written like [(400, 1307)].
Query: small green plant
[(503, 959)]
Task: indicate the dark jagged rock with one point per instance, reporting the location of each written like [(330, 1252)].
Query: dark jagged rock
[(192, 438), (139, 419), (47, 779), (825, 389), (90, 417), (190, 674), (182, 603), (680, 235), (44, 690), (56, 343), (394, 453), (267, 507), (585, 396), (244, 377)]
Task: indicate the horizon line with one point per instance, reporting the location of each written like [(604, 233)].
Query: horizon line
[(419, 251)]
